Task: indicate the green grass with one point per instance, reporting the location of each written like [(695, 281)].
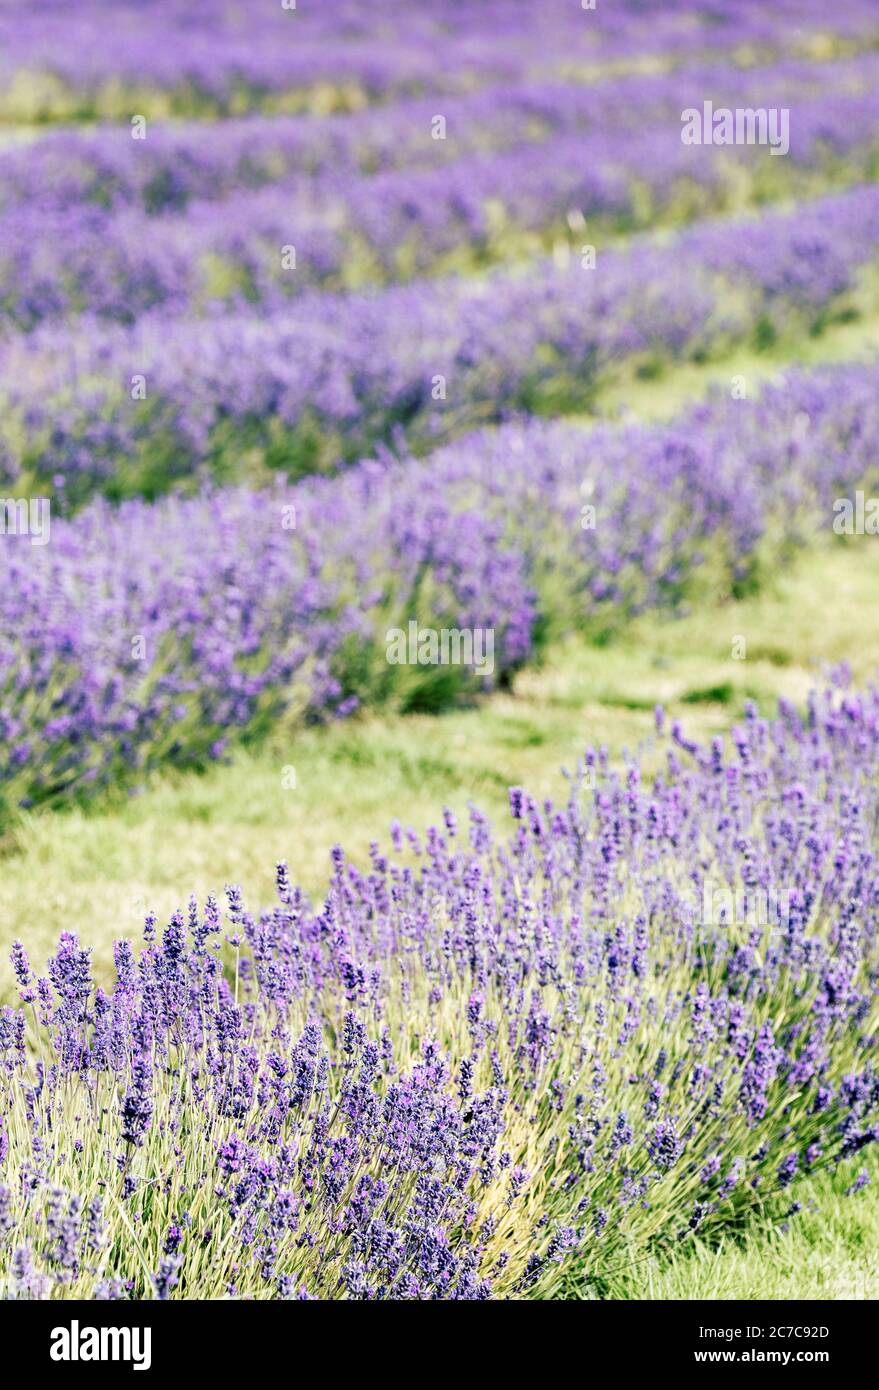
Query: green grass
[(829, 1250), (661, 399)]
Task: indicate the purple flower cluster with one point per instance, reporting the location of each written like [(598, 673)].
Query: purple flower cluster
[(483, 1069), (124, 645)]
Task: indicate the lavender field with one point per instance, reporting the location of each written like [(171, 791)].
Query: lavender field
[(439, 730)]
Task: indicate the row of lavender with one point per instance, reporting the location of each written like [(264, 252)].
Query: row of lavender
[(128, 410), (174, 162), (179, 58), (178, 161), (265, 247), (599, 1070), (156, 632)]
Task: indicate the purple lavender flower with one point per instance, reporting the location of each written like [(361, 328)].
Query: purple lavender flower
[(664, 1145), (137, 1106), (167, 1276)]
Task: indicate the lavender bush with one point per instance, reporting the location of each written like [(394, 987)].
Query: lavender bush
[(485, 1069)]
